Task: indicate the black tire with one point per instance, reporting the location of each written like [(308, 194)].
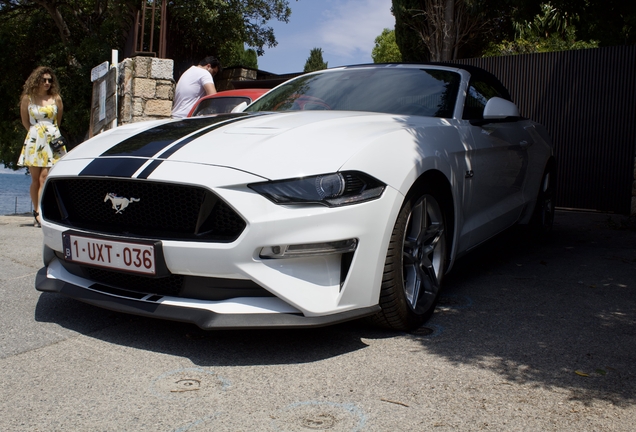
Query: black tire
[(543, 215), (415, 263)]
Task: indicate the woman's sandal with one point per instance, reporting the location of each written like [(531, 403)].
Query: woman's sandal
[(36, 223)]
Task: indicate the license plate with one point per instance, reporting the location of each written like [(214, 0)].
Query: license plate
[(114, 254)]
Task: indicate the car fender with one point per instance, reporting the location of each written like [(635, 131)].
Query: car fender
[(401, 157)]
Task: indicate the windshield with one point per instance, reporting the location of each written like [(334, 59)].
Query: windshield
[(408, 91), (219, 105)]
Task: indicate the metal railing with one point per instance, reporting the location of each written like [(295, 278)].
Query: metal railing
[(21, 207)]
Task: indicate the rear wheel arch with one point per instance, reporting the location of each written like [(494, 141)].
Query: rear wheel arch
[(542, 217), (551, 164)]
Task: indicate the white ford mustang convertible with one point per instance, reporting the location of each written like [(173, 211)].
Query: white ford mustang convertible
[(340, 194)]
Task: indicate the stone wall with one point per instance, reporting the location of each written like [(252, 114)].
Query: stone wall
[(223, 81), (146, 89)]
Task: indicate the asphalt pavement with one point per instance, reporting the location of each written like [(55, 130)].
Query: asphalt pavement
[(530, 335)]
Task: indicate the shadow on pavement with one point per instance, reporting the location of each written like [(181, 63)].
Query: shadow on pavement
[(559, 313), (206, 348)]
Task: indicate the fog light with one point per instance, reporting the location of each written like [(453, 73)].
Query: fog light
[(309, 249)]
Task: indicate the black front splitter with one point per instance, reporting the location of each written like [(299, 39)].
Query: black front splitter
[(204, 319)]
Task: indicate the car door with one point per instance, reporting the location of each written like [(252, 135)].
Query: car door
[(497, 161)]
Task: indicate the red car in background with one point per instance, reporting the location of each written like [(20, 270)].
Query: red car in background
[(225, 101)]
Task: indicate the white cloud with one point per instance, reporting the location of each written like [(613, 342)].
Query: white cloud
[(349, 28), (344, 29)]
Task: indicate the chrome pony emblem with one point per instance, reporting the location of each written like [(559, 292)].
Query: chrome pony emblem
[(119, 203)]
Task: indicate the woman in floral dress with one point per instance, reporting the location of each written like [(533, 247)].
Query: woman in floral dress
[(41, 110)]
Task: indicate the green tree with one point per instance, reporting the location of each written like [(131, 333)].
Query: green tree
[(408, 41), (386, 49), (437, 29), (74, 36), (236, 54), (550, 30), (249, 59), (315, 61), (198, 28), (610, 22), (423, 27)]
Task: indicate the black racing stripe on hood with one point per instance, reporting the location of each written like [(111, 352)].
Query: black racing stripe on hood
[(150, 142), (150, 168), (191, 138), (113, 167), (165, 155), (125, 158)]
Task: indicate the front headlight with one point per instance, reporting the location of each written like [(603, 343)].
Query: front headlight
[(332, 190)]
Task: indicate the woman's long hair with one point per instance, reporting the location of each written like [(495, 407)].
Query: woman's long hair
[(33, 82)]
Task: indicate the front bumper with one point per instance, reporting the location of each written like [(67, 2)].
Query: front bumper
[(295, 291), (202, 317)]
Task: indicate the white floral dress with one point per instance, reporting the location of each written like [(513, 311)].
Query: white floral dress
[(36, 150)]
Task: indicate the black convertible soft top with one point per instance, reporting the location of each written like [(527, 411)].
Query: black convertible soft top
[(480, 74), (475, 72)]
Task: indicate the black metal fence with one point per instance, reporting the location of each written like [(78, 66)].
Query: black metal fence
[(587, 101)]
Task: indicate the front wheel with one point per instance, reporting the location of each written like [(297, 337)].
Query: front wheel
[(415, 263)]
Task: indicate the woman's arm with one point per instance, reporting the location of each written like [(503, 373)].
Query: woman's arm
[(24, 112), (60, 110)]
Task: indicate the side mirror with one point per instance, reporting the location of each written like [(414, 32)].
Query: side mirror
[(239, 108), (498, 108)]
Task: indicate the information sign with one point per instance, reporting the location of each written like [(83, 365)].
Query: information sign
[(99, 71)]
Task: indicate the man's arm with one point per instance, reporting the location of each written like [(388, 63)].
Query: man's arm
[(209, 88)]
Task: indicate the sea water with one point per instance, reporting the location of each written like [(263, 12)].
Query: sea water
[(14, 192)]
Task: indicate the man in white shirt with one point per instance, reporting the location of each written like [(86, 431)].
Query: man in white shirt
[(195, 83)]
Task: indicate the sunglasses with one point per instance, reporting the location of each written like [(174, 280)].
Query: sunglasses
[(47, 80)]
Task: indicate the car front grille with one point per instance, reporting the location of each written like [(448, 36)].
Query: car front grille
[(170, 285), (140, 208), (187, 287)]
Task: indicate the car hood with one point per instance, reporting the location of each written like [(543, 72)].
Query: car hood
[(269, 145)]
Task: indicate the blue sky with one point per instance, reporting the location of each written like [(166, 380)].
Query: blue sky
[(344, 29)]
